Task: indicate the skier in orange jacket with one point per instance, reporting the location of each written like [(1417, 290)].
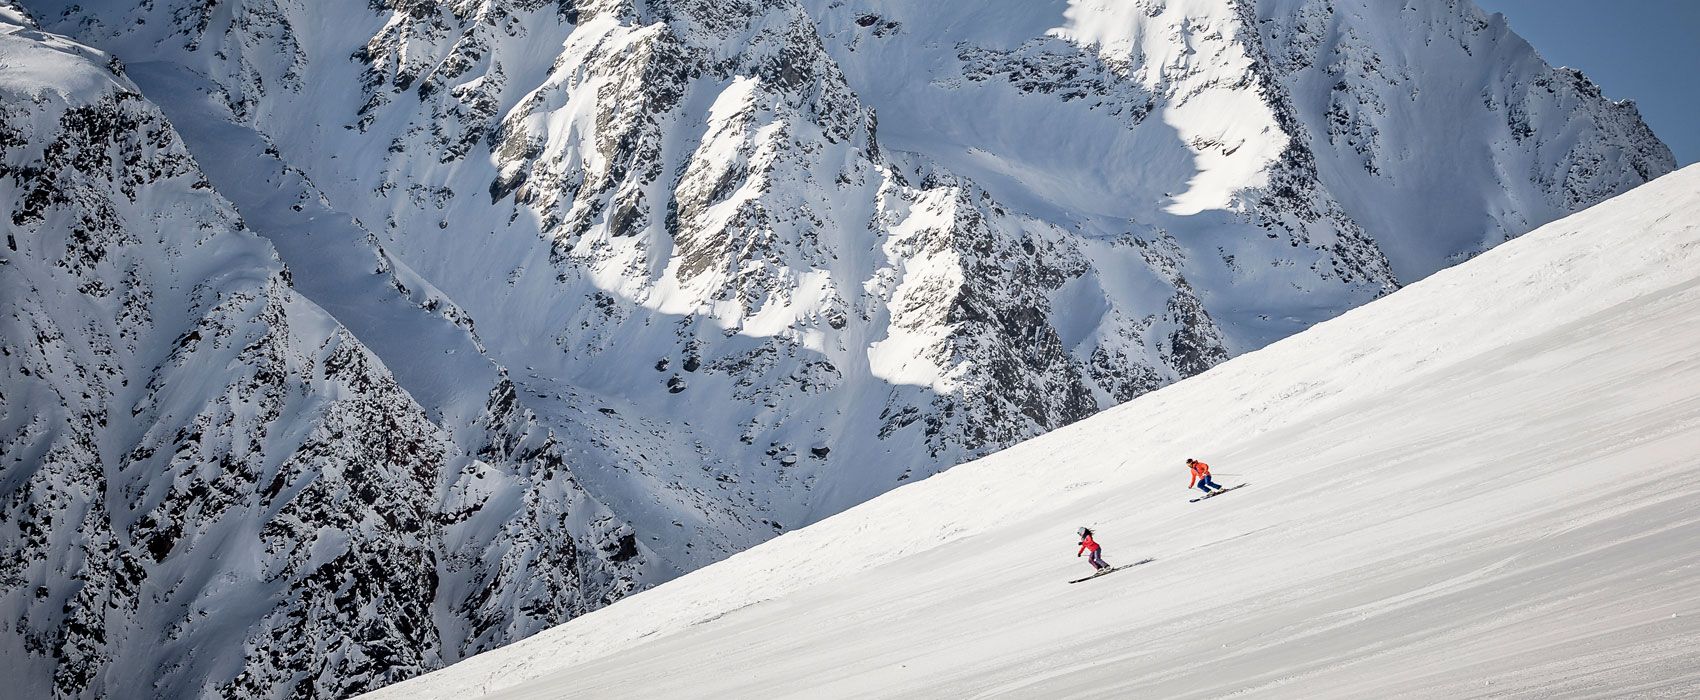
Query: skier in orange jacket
[(1088, 544), (1201, 477)]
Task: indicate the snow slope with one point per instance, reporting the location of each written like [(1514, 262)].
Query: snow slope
[(1483, 485)]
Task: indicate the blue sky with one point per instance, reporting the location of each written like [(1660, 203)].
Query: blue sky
[(1644, 50)]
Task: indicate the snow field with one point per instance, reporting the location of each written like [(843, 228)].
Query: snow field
[(1483, 485)]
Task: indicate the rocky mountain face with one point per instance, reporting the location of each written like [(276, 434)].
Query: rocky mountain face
[(454, 319), (210, 486)]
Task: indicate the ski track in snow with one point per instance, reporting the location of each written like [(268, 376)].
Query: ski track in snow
[(1482, 486)]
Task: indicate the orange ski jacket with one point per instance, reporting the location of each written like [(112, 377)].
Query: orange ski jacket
[(1199, 471)]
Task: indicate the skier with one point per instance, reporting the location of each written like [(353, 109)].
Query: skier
[(1201, 477), (1088, 544)]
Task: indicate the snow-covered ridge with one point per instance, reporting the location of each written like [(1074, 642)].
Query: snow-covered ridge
[(182, 432), (1484, 481), (204, 470)]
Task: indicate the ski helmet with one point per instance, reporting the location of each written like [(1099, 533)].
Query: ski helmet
[(1082, 532)]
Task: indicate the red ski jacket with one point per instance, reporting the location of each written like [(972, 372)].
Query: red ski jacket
[(1087, 544), (1199, 470)]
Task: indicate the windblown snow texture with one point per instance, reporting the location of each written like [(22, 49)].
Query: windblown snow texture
[(645, 283)]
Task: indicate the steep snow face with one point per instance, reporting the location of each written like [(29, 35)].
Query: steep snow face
[(657, 266), (1482, 484), (203, 472), (1427, 128), (1442, 131)]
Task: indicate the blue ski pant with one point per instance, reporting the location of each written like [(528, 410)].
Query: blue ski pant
[(1097, 559), (1205, 484)]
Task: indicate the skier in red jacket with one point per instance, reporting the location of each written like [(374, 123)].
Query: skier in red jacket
[(1088, 544), (1201, 477)]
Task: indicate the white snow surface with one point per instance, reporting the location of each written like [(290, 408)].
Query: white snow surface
[(1484, 485)]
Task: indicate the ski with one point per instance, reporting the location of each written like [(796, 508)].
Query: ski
[(1114, 569), (1218, 493)]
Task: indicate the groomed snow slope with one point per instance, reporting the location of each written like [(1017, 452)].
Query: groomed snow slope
[(1487, 484)]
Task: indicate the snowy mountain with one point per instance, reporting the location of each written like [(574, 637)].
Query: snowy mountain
[(1428, 128), (661, 279), (212, 488), (1483, 485)]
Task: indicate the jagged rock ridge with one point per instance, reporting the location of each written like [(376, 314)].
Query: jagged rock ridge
[(212, 488)]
